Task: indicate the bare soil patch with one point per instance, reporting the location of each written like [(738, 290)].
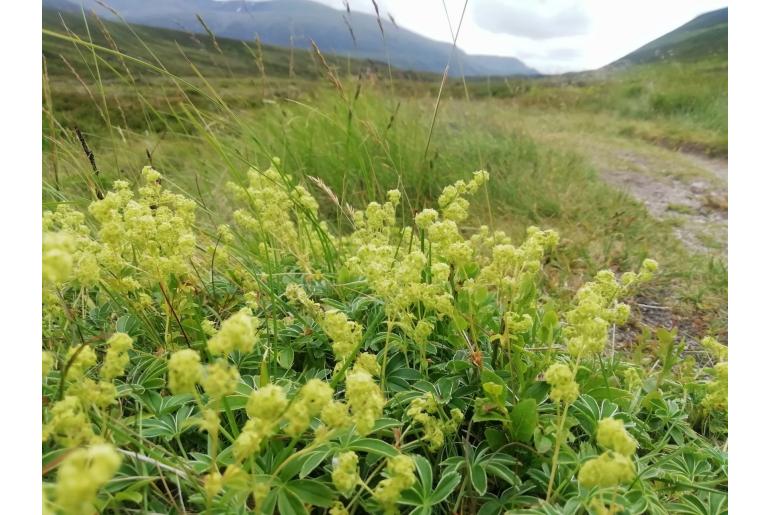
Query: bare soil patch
[(695, 203)]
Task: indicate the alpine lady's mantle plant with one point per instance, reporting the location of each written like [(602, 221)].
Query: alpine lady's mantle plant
[(410, 364)]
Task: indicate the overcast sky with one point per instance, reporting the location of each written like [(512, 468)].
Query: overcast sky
[(550, 35)]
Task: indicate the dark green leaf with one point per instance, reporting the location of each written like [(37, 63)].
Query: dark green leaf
[(289, 504), (538, 391), (373, 446), (128, 324), (445, 487), (543, 444), (385, 423), (425, 473), (479, 479), (524, 420), (495, 438), (311, 492), (286, 357), (311, 462), (504, 473)]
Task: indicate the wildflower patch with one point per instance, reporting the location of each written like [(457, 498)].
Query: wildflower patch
[(412, 364)]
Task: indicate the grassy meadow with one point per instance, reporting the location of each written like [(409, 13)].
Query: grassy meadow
[(203, 112)]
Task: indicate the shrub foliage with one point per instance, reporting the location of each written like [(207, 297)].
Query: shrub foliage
[(406, 364)]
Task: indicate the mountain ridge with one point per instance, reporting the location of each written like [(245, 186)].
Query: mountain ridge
[(183, 52), (294, 23)]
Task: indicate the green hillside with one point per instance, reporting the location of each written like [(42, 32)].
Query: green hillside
[(702, 37)]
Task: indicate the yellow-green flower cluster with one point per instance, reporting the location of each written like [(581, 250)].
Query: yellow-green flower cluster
[(208, 328), (99, 394), (69, 251), (239, 332), (611, 434), (516, 323), (597, 306), (614, 466), (268, 406), (68, 423), (184, 371), (48, 363), (447, 244), (85, 391), (632, 379), (220, 379), (402, 277), (588, 322), (116, 359), (345, 472), (716, 399), (424, 410), (152, 233), (452, 203), (92, 393), (309, 402), (425, 218), (278, 212), (397, 278), (400, 477), (714, 348), (267, 403), (396, 270), (209, 421), (511, 266), (373, 250), (442, 232), (336, 415), (484, 240), (250, 440), (345, 334), (421, 332), (646, 273), (597, 507), (264, 408), (368, 363), (82, 473), (80, 359), (564, 388), (608, 469), (297, 294), (213, 482), (364, 399), (376, 251), (58, 257)]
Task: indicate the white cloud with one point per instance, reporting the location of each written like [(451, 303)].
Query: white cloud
[(543, 20), (541, 32)]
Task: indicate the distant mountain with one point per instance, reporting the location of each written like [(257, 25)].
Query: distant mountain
[(296, 22), (180, 50), (701, 37)]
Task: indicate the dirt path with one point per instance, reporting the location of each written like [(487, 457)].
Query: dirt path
[(686, 190)]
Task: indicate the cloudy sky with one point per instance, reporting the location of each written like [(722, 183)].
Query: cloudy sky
[(550, 35)]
